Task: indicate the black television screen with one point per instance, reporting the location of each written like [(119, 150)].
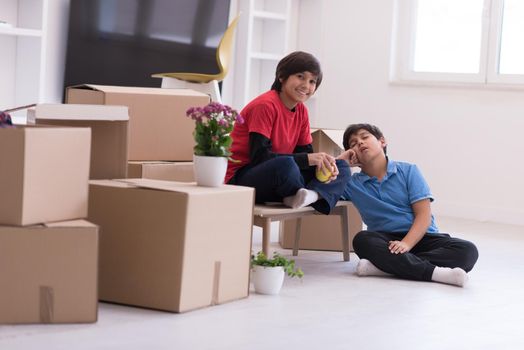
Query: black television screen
[(124, 42)]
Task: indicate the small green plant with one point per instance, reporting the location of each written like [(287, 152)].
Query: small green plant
[(278, 260)]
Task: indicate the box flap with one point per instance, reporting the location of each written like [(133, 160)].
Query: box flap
[(70, 223), (335, 135), (154, 162), (77, 112), (111, 183), (138, 90), (184, 187)]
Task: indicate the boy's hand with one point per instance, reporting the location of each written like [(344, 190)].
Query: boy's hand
[(350, 157), (324, 161), (398, 247), (321, 159), (334, 173)]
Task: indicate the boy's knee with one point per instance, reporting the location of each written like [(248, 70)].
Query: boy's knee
[(284, 162), (470, 255), (286, 166), (360, 240)]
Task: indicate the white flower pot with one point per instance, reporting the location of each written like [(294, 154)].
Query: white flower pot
[(268, 279), (210, 171)]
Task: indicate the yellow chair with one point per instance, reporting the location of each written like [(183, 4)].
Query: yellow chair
[(206, 83)]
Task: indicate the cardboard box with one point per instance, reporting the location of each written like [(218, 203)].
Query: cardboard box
[(321, 232), (48, 273), (328, 140), (158, 126), (108, 125), (44, 173), (172, 246), (168, 171)]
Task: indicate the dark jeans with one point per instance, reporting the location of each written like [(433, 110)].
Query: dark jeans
[(434, 249), (281, 177)]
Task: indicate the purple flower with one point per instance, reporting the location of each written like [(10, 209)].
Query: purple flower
[(5, 120), (215, 123)]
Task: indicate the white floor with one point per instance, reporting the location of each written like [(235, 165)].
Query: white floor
[(331, 309)]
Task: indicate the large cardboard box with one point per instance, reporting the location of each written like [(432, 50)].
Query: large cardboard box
[(158, 126), (321, 232), (172, 246), (44, 173), (48, 273), (108, 125), (168, 171)]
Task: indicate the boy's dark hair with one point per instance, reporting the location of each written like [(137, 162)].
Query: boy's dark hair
[(296, 62), (354, 128)]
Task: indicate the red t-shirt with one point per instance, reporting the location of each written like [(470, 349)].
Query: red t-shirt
[(268, 116)]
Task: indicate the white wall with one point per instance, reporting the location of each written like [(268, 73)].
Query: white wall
[(466, 141)]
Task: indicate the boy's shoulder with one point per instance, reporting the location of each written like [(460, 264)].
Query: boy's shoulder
[(269, 103), (402, 167), (400, 164), (269, 100)]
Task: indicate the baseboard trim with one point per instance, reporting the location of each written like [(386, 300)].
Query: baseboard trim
[(479, 213)]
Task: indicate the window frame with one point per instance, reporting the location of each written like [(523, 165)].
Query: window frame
[(404, 25)]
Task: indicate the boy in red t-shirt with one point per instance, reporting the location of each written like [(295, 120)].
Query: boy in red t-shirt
[(273, 145)]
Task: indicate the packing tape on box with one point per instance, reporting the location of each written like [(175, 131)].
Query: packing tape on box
[(47, 304), (216, 281)]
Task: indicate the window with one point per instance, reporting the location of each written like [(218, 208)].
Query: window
[(511, 42), (466, 41)]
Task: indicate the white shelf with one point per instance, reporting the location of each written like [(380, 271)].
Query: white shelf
[(263, 38), (22, 63), (6, 30), (270, 15)]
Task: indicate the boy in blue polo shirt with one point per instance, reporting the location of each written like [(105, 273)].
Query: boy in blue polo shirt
[(393, 199)]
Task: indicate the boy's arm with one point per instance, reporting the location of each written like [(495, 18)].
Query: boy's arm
[(422, 213)]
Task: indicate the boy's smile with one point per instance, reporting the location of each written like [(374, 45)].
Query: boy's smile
[(297, 88)]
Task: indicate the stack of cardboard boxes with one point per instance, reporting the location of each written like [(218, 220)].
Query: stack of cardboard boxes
[(160, 135), (48, 253), (159, 244), (164, 245)]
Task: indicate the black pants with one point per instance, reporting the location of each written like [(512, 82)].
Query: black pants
[(434, 249)]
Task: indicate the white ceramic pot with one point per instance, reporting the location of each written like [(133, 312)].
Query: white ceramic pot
[(268, 279), (210, 171)]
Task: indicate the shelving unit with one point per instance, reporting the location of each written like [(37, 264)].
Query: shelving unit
[(22, 63), (258, 52)]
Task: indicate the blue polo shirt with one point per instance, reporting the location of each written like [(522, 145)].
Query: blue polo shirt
[(385, 206)]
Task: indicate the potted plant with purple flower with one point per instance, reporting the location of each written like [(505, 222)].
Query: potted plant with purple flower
[(5, 120), (213, 126)]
